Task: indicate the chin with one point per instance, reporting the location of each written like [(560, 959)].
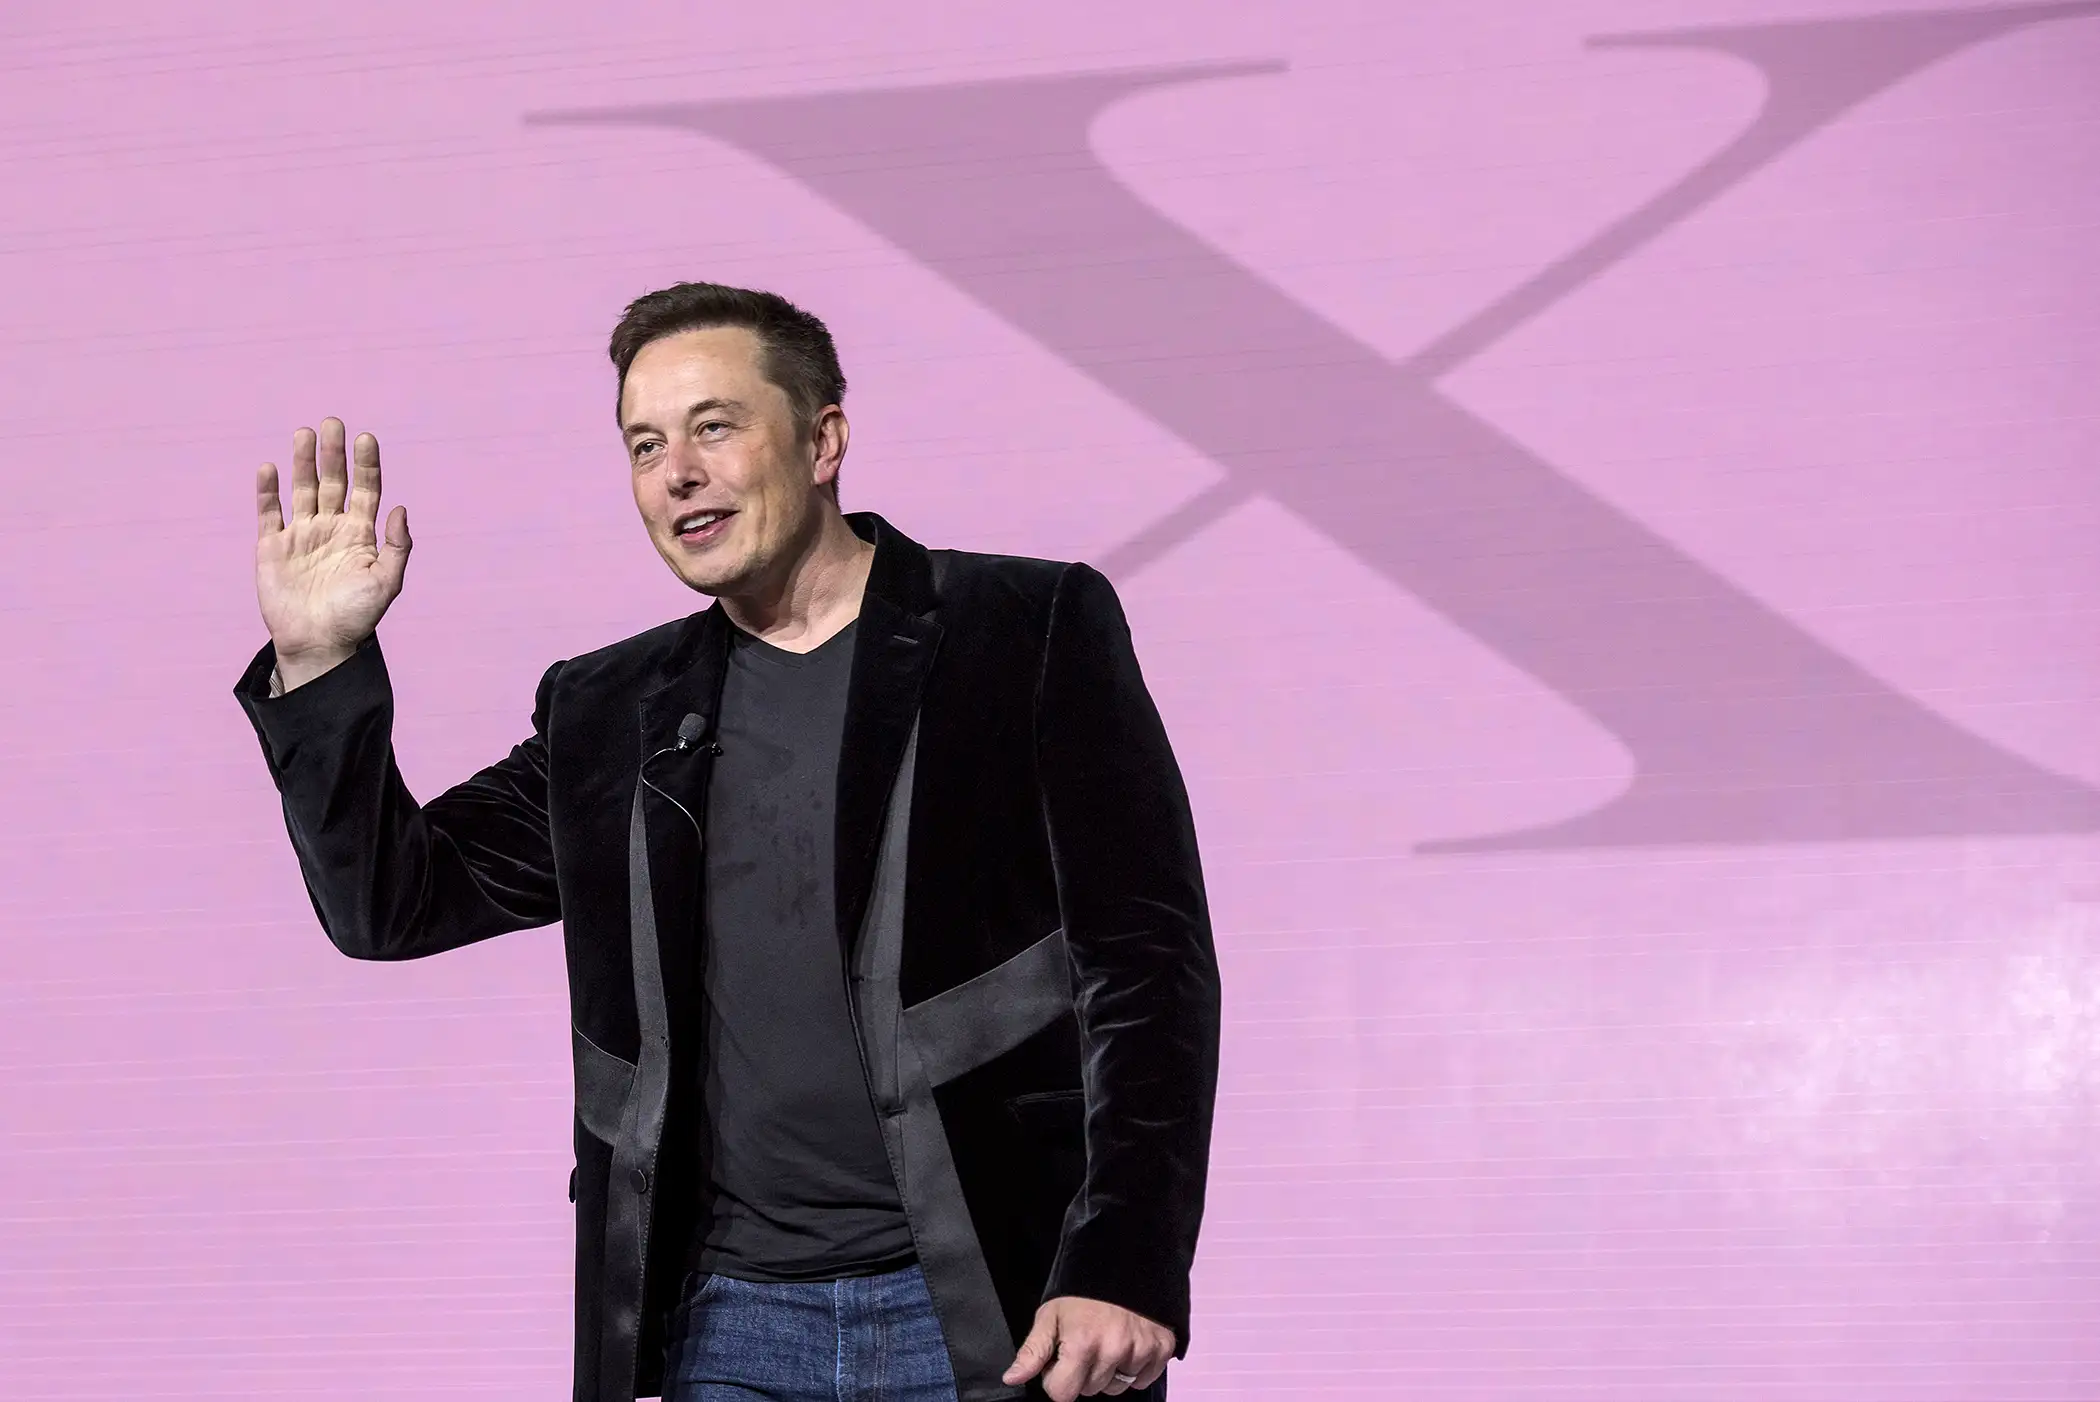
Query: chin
[(731, 562), (708, 578), (707, 582), (691, 573)]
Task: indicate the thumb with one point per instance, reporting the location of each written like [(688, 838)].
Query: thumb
[(1036, 1350), (393, 551)]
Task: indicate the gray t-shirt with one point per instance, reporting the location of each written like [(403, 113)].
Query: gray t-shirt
[(798, 1186)]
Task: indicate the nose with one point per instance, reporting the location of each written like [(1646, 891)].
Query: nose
[(682, 467)]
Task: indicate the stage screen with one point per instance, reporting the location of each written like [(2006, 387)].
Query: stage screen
[(1605, 498)]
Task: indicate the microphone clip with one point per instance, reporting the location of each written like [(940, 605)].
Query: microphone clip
[(689, 732)]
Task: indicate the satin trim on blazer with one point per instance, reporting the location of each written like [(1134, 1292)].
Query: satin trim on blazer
[(603, 1082), (631, 1193), (972, 1322), (970, 1024)]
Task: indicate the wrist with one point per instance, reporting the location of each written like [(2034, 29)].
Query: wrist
[(295, 669)]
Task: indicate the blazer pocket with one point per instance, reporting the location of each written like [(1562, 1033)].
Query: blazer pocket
[(1038, 1105), (1052, 1120), (1049, 1170), (602, 1085)]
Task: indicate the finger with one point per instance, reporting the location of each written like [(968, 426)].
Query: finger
[(1120, 1356), (335, 477), (1036, 1350), (1101, 1373), (269, 511), (393, 551), (1074, 1374), (1154, 1367), (1127, 1372), (305, 486), (364, 478)]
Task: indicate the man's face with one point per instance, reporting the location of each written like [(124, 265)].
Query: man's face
[(728, 488)]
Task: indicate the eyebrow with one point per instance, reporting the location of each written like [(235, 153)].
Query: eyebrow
[(705, 406)]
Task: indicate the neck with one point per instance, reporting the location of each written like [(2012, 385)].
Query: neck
[(814, 595)]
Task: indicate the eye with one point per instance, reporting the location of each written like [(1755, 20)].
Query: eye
[(712, 424), (642, 448)]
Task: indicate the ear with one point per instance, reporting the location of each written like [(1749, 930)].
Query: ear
[(827, 444)]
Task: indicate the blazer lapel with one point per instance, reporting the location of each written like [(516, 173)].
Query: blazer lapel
[(891, 660), (674, 792), (663, 874)]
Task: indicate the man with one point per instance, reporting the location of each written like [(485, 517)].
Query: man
[(893, 999)]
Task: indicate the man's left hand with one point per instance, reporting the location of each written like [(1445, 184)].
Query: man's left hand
[(1098, 1349)]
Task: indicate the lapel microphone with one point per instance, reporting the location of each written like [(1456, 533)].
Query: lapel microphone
[(688, 735)]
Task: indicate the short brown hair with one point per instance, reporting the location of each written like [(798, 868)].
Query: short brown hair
[(799, 356)]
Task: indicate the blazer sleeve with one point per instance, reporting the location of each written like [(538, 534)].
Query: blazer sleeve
[(1145, 973), (391, 878)]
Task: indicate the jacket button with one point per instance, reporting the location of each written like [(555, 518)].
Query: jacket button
[(641, 1180)]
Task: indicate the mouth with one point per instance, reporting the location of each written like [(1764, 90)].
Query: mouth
[(701, 527)]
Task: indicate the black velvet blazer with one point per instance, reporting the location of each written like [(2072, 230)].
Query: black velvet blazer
[(1028, 956)]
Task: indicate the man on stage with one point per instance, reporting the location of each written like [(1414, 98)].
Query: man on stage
[(894, 1006)]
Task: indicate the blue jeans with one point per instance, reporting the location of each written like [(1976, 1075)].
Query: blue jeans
[(868, 1339)]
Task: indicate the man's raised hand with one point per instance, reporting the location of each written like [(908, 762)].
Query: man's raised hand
[(323, 576)]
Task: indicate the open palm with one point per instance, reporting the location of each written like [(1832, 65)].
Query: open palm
[(324, 577)]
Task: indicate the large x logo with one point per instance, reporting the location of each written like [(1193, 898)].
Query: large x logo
[(1743, 727)]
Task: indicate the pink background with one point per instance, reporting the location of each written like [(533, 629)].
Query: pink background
[(1604, 493)]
